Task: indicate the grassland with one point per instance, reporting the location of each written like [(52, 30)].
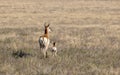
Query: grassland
[(87, 33)]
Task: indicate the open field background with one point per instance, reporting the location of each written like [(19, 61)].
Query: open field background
[(87, 33)]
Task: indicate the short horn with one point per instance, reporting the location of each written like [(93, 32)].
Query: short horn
[(48, 25)]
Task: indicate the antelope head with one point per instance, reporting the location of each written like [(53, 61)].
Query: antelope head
[(47, 27)]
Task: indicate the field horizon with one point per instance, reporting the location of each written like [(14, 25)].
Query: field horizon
[(87, 33)]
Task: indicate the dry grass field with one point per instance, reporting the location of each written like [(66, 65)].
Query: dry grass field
[(87, 33)]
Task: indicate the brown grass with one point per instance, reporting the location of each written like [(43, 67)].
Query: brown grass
[(87, 33)]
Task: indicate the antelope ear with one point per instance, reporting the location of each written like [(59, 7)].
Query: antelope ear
[(48, 25)]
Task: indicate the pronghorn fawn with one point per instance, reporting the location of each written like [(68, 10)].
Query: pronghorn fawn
[(44, 40), (54, 49)]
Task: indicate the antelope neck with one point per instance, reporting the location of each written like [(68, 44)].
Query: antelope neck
[(54, 44), (46, 33)]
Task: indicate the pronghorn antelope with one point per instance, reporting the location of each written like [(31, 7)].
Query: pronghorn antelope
[(44, 40), (54, 49)]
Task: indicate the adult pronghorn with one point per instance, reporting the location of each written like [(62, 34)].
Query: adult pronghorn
[(44, 40)]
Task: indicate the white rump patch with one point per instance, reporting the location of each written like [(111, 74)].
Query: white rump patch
[(44, 42)]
